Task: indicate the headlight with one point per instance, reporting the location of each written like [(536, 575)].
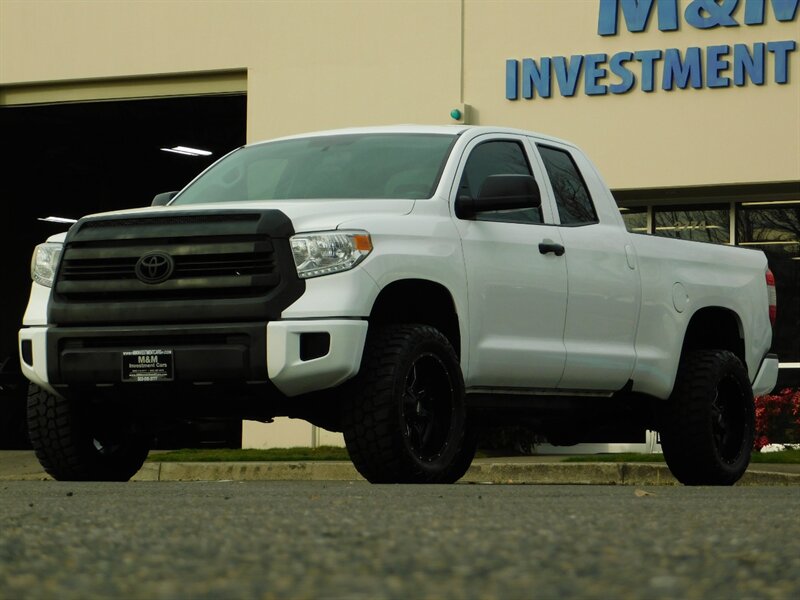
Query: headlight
[(45, 262), (328, 252)]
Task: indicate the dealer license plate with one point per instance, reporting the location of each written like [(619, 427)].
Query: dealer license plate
[(147, 365)]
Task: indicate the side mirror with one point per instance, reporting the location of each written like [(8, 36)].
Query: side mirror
[(163, 198), (501, 192)]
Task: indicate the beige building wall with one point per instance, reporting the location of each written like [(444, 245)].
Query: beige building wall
[(321, 64), (310, 65), (287, 433)]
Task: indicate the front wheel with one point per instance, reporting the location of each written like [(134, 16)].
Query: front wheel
[(405, 421), (707, 425), (74, 443)]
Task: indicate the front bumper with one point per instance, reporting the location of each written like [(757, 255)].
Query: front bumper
[(306, 356), (297, 356)]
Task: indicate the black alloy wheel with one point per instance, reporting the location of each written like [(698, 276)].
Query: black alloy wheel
[(404, 420), (708, 424), (428, 406), (729, 420)]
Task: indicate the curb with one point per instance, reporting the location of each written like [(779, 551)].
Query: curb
[(248, 471), (483, 473)]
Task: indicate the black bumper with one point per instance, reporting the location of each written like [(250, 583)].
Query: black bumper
[(214, 353)]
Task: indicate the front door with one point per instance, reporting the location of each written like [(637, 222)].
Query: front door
[(517, 294)]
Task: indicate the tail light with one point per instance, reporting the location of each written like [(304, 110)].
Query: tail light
[(772, 297)]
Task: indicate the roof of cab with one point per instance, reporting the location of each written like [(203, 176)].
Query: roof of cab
[(430, 129)]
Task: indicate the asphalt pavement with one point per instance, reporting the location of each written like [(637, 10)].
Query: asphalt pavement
[(536, 469), (351, 540)]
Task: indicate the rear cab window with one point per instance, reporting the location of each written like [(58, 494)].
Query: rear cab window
[(573, 200)]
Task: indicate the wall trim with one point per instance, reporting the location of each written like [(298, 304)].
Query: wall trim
[(233, 81)]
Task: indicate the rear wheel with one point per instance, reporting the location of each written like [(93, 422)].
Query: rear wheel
[(76, 444), (465, 456), (707, 425), (405, 421)]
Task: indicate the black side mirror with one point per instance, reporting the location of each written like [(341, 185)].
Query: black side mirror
[(163, 198), (501, 192)]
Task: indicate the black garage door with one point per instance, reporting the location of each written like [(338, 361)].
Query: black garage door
[(69, 160)]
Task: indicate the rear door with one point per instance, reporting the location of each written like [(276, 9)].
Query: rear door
[(516, 294), (604, 289)]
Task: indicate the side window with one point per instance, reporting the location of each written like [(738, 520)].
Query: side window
[(572, 196), (497, 158)]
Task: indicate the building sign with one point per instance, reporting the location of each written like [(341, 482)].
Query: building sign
[(717, 66)]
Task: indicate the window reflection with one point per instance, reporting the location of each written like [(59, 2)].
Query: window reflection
[(777, 226), (635, 219), (696, 224), (573, 200)]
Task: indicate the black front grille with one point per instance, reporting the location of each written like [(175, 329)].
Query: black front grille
[(233, 265), (218, 268)]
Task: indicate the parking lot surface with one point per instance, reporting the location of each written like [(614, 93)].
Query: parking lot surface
[(354, 540)]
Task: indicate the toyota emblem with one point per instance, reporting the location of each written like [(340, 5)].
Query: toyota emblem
[(154, 267)]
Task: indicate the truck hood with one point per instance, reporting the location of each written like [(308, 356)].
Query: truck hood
[(306, 215)]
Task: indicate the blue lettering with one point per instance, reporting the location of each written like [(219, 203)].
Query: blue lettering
[(747, 65), (705, 14), (682, 72), (619, 69), (648, 59), (702, 14), (785, 10), (535, 79), (715, 64), (567, 74), (593, 73), (781, 51), (725, 65), (636, 14), (512, 79)]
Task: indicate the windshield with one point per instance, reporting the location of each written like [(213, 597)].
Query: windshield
[(380, 166)]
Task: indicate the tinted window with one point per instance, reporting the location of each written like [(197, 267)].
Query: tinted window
[(342, 166), (704, 224), (497, 158), (572, 196), (635, 219)]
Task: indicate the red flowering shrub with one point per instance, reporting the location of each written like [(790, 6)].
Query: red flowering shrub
[(778, 418)]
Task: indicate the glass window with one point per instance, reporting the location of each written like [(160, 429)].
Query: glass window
[(339, 166), (769, 225), (500, 157), (635, 219), (699, 224), (572, 196), (775, 229)]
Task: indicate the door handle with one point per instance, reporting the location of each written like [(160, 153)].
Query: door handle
[(548, 247)]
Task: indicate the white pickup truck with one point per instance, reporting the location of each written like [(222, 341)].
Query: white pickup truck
[(403, 285)]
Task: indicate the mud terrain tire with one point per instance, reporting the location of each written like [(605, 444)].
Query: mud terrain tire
[(75, 444), (405, 421), (707, 425)]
